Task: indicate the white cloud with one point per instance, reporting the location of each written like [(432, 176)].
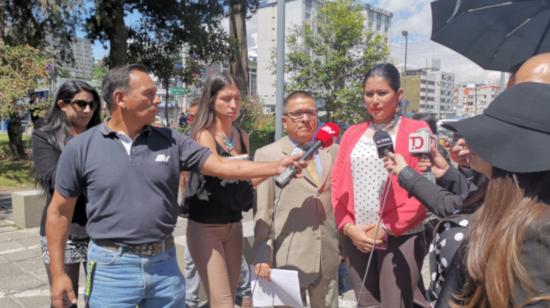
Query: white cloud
[(415, 16)]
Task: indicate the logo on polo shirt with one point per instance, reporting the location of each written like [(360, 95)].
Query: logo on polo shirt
[(162, 158)]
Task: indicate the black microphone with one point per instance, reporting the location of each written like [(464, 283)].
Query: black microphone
[(323, 138), (383, 142)]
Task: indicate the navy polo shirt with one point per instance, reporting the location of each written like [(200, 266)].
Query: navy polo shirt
[(132, 199)]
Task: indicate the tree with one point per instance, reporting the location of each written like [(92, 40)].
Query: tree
[(166, 47), (238, 65), (99, 70), (21, 68), (195, 23), (41, 24), (330, 56), (252, 116)]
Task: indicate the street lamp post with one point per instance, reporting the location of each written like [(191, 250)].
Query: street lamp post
[(475, 99), (406, 35)]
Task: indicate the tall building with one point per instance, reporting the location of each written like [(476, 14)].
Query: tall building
[(430, 90), (378, 21), (297, 12), (472, 99), (82, 66)]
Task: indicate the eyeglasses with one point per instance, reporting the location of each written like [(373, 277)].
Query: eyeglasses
[(299, 114), (82, 104)]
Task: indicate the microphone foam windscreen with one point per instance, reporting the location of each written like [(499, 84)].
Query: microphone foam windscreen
[(326, 134), (383, 142)]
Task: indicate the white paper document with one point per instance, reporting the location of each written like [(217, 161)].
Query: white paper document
[(283, 289)]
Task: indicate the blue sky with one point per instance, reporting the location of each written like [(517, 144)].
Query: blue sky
[(411, 15)]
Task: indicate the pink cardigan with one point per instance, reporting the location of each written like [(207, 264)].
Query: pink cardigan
[(401, 212)]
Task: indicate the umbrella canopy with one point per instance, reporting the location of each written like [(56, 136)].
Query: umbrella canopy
[(495, 34)]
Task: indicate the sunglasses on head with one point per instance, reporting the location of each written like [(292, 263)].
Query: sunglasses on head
[(82, 104)]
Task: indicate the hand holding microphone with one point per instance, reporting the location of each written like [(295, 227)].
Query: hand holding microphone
[(324, 138), (419, 144)]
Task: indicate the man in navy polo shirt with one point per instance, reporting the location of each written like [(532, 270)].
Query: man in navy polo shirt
[(129, 171)]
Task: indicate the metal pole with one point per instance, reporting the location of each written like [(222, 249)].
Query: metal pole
[(475, 99), (405, 34), (280, 68)]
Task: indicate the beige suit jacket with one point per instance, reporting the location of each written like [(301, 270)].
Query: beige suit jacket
[(303, 233)]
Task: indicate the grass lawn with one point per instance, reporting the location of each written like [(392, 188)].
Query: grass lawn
[(14, 173)]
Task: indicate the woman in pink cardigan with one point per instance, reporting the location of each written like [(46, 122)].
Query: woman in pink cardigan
[(360, 183)]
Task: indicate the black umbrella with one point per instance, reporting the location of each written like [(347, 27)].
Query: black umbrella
[(495, 34)]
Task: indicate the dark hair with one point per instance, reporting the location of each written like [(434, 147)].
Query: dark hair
[(387, 71), (117, 79), (428, 118), (297, 94), (56, 124), (206, 115)]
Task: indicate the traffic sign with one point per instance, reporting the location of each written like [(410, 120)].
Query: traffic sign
[(178, 91)]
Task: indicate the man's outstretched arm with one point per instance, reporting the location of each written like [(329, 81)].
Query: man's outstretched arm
[(58, 221)]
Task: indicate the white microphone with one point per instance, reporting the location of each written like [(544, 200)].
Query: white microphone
[(419, 144)]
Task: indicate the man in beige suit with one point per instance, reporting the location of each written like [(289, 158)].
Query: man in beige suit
[(303, 234)]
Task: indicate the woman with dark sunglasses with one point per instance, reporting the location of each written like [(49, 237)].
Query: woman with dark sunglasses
[(75, 109)]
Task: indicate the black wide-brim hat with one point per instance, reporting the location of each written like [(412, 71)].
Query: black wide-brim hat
[(513, 133)]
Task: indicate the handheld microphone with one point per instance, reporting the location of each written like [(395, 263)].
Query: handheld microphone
[(323, 138), (419, 143), (383, 142)]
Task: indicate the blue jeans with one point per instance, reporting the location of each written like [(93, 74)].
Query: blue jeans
[(120, 279)]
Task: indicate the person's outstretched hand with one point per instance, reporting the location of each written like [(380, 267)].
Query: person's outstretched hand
[(292, 160), (439, 163), (62, 293), (460, 153), (394, 163)]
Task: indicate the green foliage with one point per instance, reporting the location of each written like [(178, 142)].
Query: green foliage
[(252, 117), (261, 137), (41, 24), (330, 56), (99, 70), (193, 23), (21, 68), (16, 174)]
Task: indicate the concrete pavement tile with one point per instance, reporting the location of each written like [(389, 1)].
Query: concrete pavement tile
[(22, 283), (6, 247), (3, 238), (4, 222), (4, 260), (30, 242), (22, 234), (9, 303), (35, 301), (34, 266), (11, 270), (9, 228), (24, 254)]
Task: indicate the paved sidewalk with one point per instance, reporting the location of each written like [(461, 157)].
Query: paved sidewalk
[(23, 280)]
